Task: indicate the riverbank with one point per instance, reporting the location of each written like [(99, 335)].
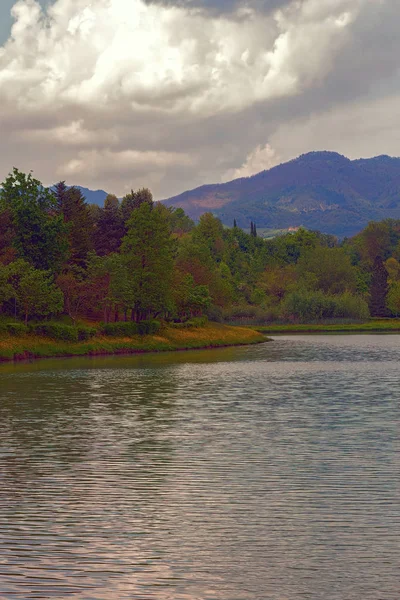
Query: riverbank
[(211, 335), (370, 326)]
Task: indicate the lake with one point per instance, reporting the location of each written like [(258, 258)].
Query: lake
[(257, 473)]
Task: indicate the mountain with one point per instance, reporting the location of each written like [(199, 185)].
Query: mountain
[(318, 190), (93, 196)]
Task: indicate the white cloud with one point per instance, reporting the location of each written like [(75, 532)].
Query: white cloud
[(115, 92), (116, 51), (260, 159)]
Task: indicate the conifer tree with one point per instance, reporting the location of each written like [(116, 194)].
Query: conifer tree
[(72, 205), (234, 223), (109, 229), (379, 289)]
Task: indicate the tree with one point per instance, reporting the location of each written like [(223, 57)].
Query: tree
[(72, 205), (34, 290), (379, 289), (7, 235), (109, 227), (327, 269), (40, 234), (134, 200), (234, 223), (148, 251)]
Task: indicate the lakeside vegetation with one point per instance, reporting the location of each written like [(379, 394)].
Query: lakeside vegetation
[(211, 335), (136, 268), (370, 326)]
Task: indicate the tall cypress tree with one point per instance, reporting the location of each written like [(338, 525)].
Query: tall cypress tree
[(379, 289), (234, 223)]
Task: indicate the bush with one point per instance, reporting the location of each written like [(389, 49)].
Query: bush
[(150, 327), (352, 307), (191, 323), (214, 313), (247, 314), (119, 329), (85, 333), (15, 328), (56, 331), (307, 306)]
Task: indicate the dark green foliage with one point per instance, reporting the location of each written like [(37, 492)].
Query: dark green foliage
[(62, 332), (130, 328), (304, 306), (148, 327), (134, 200), (109, 227), (16, 328), (147, 252), (71, 204), (379, 289), (40, 234), (119, 329), (85, 333), (56, 331), (193, 323)]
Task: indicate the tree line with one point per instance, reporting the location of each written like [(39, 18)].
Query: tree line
[(136, 259)]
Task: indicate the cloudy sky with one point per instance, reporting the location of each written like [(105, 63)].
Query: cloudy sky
[(119, 94)]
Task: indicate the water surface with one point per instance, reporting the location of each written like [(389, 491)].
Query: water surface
[(268, 472)]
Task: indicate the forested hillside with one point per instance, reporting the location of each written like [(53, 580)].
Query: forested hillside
[(319, 190), (135, 260)]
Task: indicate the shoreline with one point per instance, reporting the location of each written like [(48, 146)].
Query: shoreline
[(211, 336), (372, 326)]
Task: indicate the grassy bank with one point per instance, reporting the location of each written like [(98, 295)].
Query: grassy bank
[(370, 326), (211, 335)]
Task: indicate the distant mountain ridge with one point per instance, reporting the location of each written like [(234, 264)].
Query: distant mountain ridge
[(93, 196), (319, 190)]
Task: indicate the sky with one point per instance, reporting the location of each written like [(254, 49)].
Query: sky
[(173, 94)]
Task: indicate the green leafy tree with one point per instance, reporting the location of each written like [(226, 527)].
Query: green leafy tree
[(148, 251), (40, 234), (35, 292), (327, 269), (393, 299)]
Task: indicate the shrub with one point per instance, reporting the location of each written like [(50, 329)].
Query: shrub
[(308, 306), (56, 331), (16, 328), (214, 313), (191, 323), (150, 327), (85, 333), (119, 329), (352, 307)]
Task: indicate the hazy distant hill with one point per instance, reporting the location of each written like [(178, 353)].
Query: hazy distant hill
[(93, 196), (320, 190)]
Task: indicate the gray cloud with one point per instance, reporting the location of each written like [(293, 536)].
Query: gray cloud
[(120, 94)]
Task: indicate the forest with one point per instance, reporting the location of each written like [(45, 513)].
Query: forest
[(136, 260)]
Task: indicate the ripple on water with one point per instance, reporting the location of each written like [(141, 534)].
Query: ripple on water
[(253, 473)]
